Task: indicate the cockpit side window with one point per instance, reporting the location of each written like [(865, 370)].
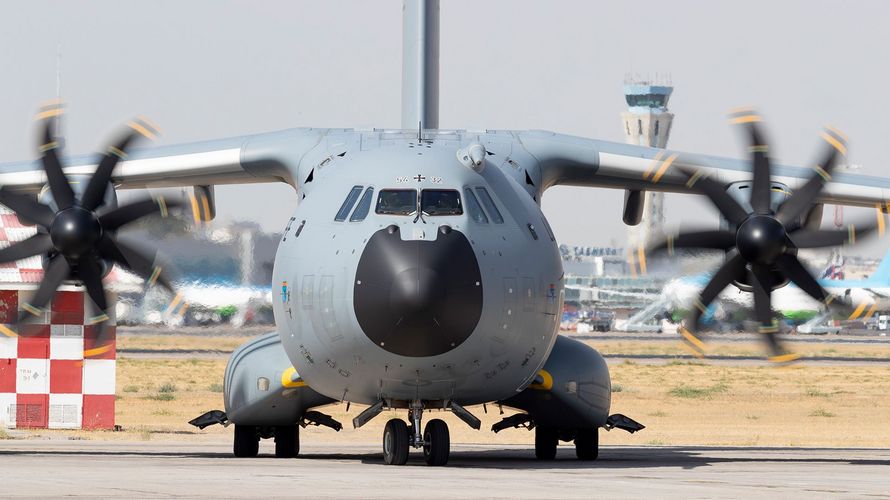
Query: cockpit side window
[(473, 207), (348, 203), (440, 202), (489, 205), (364, 206), (397, 202)]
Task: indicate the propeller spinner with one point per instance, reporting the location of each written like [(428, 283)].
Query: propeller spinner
[(762, 244), (81, 233)]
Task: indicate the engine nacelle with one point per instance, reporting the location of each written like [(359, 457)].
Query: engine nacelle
[(572, 391), (262, 388)]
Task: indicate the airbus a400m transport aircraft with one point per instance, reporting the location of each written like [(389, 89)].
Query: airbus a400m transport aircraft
[(418, 272)]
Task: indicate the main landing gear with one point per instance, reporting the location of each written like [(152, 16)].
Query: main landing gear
[(398, 437), (547, 439)]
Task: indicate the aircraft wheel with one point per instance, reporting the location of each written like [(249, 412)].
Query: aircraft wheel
[(436, 442), (395, 442), (546, 440), (587, 444), (247, 442), (287, 441)]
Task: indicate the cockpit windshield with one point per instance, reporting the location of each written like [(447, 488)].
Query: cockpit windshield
[(397, 202), (440, 202)]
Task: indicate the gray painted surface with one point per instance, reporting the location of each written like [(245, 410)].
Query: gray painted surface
[(53, 468)]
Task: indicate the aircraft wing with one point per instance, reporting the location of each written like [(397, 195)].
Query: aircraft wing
[(271, 157), (576, 161)]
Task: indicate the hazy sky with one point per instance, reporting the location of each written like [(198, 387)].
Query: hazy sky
[(207, 69)]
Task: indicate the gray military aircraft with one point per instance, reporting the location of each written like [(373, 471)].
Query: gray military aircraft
[(418, 272)]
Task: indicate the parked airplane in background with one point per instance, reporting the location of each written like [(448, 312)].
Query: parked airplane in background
[(418, 272)]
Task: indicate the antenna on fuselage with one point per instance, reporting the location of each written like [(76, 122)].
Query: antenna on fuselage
[(419, 132), (420, 63)]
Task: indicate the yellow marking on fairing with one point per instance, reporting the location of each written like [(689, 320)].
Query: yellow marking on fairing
[(700, 305), (138, 127), (692, 339), (287, 378), (784, 358), (759, 148), (871, 311), (547, 381), (822, 173), (652, 165), (881, 223), (6, 331), (836, 144), (196, 212), (858, 311), (670, 245), (837, 132), (162, 203), (828, 300), (96, 351), (774, 328), (664, 167), (49, 145), (641, 256), (851, 239)]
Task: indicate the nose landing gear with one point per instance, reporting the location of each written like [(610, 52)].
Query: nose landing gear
[(398, 437)]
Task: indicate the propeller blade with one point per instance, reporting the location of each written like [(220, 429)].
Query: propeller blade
[(27, 207), (806, 238), (792, 268), (716, 192), (718, 240), (37, 244), (128, 213), (55, 274), (95, 190), (760, 190), (804, 198), (58, 182), (762, 282), (729, 271), (128, 256), (90, 273)]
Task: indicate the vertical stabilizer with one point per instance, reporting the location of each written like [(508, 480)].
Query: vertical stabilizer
[(420, 64)]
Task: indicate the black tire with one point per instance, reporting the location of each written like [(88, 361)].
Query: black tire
[(587, 443), (436, 442), (395, 442), (287, 441), (247, 442), (546, 440)]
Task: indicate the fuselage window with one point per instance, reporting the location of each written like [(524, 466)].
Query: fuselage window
[(364, 206), (489, 205), (397, 202), (348, 203), (440, 202), (473, 207)]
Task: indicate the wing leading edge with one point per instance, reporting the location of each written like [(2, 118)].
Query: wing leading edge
[(576, 161)]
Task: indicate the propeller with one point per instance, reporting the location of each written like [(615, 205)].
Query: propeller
[(80, 233), (762, 244)]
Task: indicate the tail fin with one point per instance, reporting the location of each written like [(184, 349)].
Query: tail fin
[(882, 273)]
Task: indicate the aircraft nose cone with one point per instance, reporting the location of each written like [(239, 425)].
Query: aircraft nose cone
[(416, 291), (418, 298)]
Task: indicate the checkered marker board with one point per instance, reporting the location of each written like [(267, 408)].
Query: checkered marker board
[(45, 382)]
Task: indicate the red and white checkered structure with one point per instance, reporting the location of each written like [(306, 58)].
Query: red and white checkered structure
[(45, 382)]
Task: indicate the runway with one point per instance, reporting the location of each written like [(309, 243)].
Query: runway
[(49, 468)]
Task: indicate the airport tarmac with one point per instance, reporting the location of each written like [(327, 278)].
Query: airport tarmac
[(50, 468)]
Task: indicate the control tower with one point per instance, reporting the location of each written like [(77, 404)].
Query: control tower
[(647, 122)]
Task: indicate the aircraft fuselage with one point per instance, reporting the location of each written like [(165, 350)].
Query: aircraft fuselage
[(434, 295)]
